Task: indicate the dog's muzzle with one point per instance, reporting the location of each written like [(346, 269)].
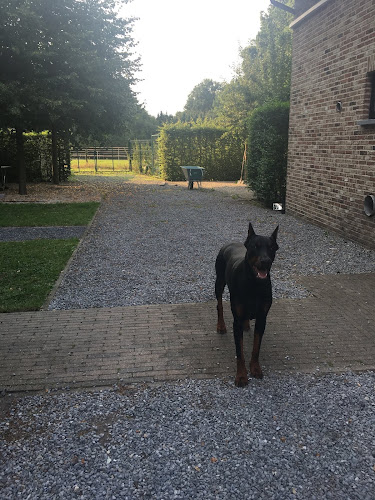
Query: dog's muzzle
[(261, 274)]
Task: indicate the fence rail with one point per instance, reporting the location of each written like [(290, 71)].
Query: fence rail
[(119, 153), (101, 158), (139, 156)]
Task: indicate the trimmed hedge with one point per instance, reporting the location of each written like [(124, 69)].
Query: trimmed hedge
[(268, 150), (38, 156), (210, 147)]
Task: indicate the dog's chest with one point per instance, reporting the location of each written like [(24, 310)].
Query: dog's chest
[(254, 296)]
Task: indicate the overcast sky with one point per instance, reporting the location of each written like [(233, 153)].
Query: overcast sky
[(182, 42)]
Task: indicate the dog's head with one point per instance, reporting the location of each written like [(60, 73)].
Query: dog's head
[(261, 251)]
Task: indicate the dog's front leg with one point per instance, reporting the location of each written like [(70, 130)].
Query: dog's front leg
[(255, 369), (260, 326), (241, 376)]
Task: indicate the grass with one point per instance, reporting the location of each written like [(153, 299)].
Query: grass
[(107, 165), (125, 175), (29, 270), (54, 214)]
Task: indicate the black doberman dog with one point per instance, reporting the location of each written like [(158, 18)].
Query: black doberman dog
[(245, 268)]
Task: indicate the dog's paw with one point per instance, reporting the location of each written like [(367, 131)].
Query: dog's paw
[(241, 374), (256, 370), (241, 381), (221, 328)]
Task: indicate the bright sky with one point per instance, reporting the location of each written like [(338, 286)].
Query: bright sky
[(182, 42)]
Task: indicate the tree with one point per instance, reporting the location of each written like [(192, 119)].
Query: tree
[(200, 101), (231, 107), (266, 62), (69, 63), (143, 125), (263, 75), (163, 118), (17, 43)]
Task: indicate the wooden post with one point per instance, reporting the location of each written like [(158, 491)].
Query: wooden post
[(130, 156)]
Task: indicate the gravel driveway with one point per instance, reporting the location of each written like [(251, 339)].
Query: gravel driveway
[(285, 437), (280, 438), (152, 244)]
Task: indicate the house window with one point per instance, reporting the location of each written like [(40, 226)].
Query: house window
[(372, 99), (370, 121)]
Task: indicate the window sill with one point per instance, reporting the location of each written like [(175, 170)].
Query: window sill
[(366, 123)]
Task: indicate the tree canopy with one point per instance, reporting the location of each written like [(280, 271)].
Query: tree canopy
[(262, 76), (69, 62), (200, 101)]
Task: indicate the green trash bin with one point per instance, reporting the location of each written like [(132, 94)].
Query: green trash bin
[(193, 174)]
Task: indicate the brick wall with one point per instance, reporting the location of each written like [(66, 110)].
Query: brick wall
[(331, 160)]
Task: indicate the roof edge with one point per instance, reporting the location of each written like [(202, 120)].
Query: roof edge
[(309, 13)]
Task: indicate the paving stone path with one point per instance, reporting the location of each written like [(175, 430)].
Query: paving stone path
[(330, 331)]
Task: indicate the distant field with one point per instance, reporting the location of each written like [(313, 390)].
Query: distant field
[(101, 165)]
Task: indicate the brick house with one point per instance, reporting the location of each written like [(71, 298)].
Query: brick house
[(331, 157)]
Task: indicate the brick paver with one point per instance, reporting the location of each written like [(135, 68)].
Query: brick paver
[(330, 331)]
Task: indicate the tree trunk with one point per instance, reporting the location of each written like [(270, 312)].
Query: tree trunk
[(21, 166), (55, 164)]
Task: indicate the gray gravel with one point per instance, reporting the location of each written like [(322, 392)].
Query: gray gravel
[(280, 438), (158, 244)]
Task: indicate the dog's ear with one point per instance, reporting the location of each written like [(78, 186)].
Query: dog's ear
[(250, 233), (274, 237)]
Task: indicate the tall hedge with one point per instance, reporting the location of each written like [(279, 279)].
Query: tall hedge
[(268, 149), (38, 156), (210, 147)]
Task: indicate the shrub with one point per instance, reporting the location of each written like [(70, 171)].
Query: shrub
[(38, 155), (207, 146), (268, 149)]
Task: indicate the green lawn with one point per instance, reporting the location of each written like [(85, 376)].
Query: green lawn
[(29, 270), (54, 214), (104, 165)]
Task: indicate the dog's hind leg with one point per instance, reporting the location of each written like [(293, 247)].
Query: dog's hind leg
[(219, 289), (221, 327)]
